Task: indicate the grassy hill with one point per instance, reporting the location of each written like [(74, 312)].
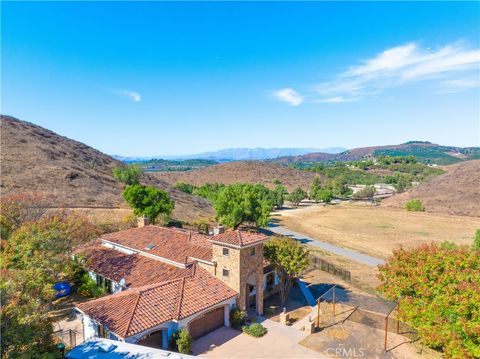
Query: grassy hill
[(242, 171), (455, 192), (35, 159), (425, 152)]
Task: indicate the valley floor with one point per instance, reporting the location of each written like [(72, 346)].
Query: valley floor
[(377, 231)]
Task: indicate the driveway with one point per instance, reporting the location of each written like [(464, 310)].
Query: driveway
[(280, 342)]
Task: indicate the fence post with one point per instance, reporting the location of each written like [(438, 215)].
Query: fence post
[(333, 300), (318, 313), (386, 330)]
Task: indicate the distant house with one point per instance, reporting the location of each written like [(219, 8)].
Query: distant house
[(163, 279)]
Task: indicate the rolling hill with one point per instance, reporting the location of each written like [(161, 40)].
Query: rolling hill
[(425, 152), (35, 159), (455, 192), (241, 171)]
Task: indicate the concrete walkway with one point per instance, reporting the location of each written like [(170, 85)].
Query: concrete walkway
[(351, 254), (280, 342)]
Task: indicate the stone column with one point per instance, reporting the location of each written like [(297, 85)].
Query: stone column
[(259, 288)]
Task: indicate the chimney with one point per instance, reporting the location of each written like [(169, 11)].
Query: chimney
[(143, 221), (218, 230)]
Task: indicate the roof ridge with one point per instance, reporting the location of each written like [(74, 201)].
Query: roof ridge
[(133, 313), (180, 298), (240, 237)]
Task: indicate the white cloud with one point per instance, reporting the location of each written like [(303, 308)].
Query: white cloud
[(289, 95), (134, 96), (338, 99), (452, 67), (455, 86)]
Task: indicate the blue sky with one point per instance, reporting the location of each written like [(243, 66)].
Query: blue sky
[(152, 78)]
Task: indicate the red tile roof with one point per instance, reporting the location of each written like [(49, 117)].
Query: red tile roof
[(174, 244), (239, 238), (136, 269), (135, 310)]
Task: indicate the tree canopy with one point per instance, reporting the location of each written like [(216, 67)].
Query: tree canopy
[(243, 203), (36, 255), (289, 259), (439, 291), (279, 193), (129, 175), (297, 195), (148, 201)]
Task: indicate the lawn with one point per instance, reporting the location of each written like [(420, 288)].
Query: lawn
[(375, 230)]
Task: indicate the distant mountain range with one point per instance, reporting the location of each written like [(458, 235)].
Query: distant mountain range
[(424, 151), (240, 154)]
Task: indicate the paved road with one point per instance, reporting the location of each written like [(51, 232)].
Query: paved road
[(349, 253)]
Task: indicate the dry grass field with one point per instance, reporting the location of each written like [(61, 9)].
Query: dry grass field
[(376, 230)]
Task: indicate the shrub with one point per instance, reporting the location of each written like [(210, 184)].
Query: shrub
[(476, 240), (237, 318), (255, 330), (414, 205), (184, 341), (89, 288)]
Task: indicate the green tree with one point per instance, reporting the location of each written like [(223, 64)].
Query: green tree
[(36, 255), (243, 203), (314, 188), (129, 175), (279, 194), (26, 326), (184, 187), (289, 259), (148, 201), (439, 287), (297, 195), (414, 205), (209, 191), (324, 195), (338, 187), (476, 240)]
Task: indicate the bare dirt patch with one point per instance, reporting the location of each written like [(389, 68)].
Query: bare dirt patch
[(378, 231)]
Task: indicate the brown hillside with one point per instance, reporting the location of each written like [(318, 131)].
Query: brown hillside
[(34, 159), (242, 171), (455, 192)]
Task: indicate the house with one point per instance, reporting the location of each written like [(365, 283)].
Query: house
[(161, 279)]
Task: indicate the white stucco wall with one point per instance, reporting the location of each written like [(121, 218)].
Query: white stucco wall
[(89, 327), (92, 275)]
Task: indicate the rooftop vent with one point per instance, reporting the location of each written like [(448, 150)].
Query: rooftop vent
[(150, 246)]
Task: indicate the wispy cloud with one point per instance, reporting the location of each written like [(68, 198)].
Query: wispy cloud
[(401, 65), (132, 95), (450, 68), (288, 95)]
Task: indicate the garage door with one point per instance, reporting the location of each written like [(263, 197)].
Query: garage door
[(207, 323)]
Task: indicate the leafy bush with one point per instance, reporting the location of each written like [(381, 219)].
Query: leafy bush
[(184, 187), (476, 240), (255, 330), (440, 295), (297, 196), (89, 288), (184, 341), (414, 205), (237, 318)]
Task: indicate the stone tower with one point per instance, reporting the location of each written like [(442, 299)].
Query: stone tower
[(239, 259)]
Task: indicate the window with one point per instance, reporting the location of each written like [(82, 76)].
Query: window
[(226, 251), (252, 251), (226, 273)]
